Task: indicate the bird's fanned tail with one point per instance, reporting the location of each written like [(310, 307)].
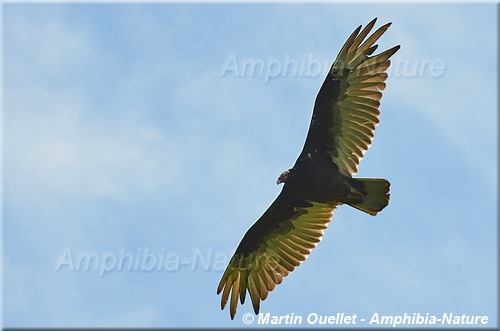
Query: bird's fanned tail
[(373, 195)]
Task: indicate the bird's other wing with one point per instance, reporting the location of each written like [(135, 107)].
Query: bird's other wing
[(346, 108), (274, 246)]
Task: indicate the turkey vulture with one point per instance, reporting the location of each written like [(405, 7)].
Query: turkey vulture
[(341, 130)]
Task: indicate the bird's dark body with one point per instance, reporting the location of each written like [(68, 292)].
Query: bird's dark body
[(315, 176)]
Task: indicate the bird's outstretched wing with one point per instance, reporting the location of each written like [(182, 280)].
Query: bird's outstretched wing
[(346, 108), (273, 247)]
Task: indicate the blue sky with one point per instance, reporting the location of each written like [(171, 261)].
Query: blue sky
[(127, 135)]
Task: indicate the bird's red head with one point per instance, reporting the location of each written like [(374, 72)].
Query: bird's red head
[(283, 177)]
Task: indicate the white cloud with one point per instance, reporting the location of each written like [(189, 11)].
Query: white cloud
[(58, 147)]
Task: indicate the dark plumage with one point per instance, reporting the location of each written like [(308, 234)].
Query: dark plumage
[(342, 127)]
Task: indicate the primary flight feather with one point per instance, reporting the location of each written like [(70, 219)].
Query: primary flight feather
[(342, 128)]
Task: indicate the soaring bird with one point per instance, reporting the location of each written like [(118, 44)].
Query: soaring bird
[(342, 127)]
